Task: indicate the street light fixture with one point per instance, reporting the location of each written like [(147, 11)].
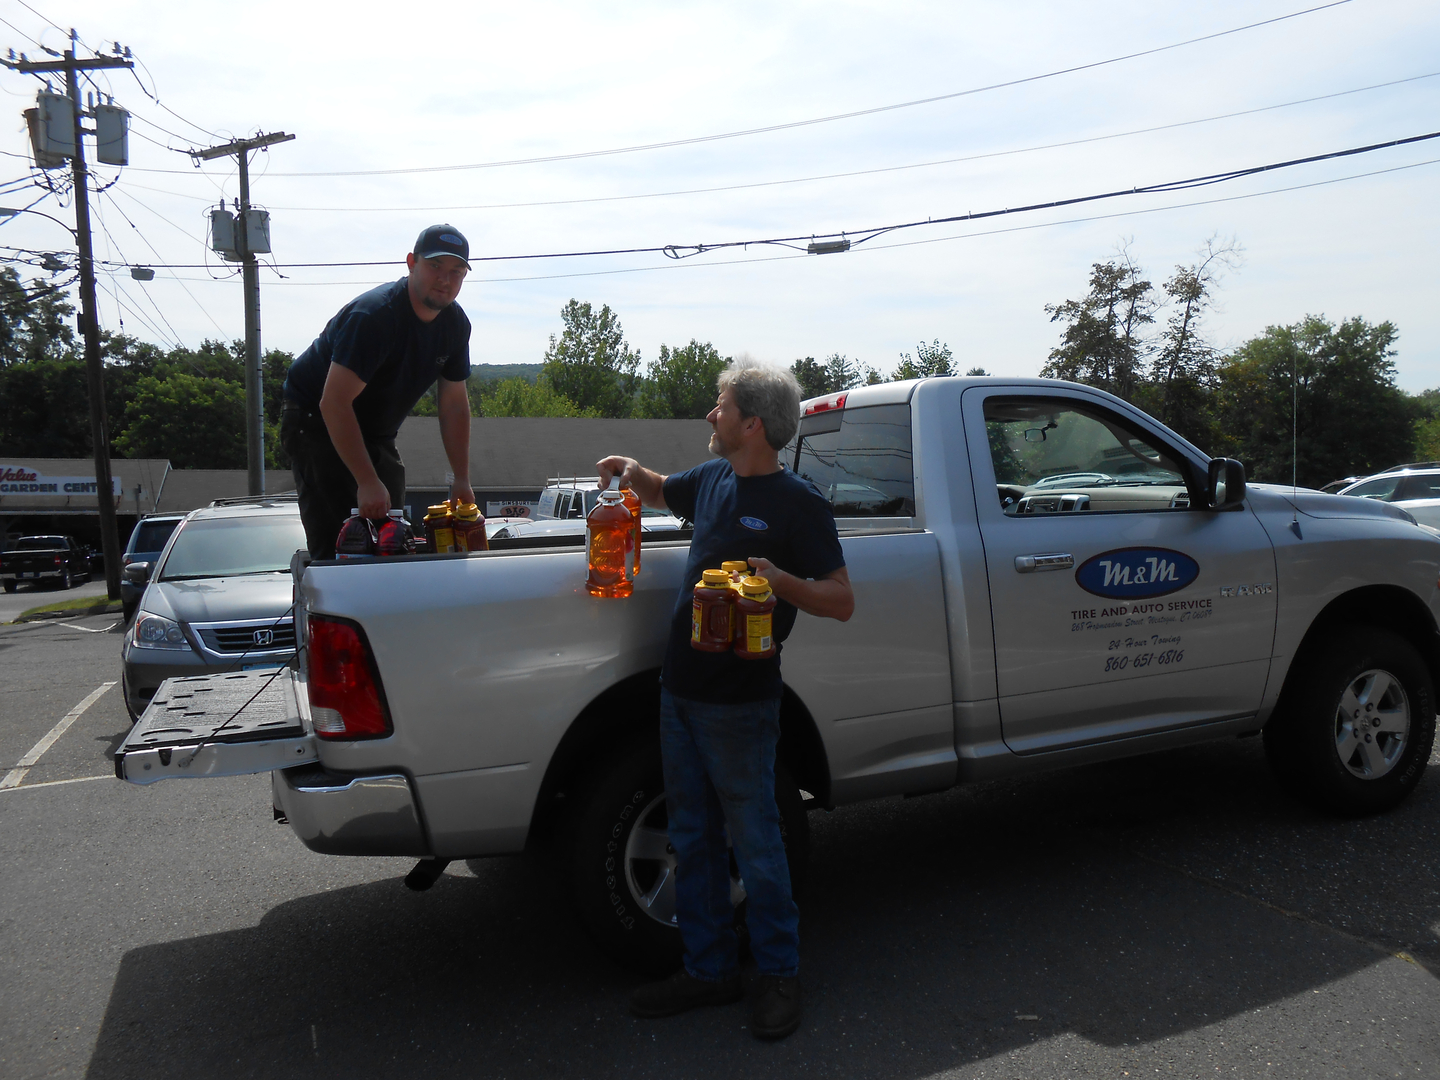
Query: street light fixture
[(10, 212)]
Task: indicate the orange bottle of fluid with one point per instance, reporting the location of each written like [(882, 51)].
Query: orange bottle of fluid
[(632, 503), (712, 612), (755, 612), (440, 528), (470, 528), (610, 545)]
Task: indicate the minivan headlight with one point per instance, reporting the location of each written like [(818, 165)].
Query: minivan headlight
[(157, 632)]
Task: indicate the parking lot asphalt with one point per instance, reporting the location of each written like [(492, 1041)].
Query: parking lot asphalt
[(1166, 916)]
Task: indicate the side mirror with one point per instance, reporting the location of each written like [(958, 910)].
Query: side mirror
[(1226, 487), (137, 573)]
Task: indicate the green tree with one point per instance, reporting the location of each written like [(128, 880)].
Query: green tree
[(197, 423), (34, 320), (1182, 373), (45, 409), (1348, 415), (1101, 344), (932, 359), (590, 362), (681, 384), (519, 397), (811, 376)]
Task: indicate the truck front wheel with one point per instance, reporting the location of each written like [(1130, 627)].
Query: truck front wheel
[(621, 866), (1356, 734)]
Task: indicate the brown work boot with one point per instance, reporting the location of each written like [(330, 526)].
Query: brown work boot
[(775, 1010), (682, 992)]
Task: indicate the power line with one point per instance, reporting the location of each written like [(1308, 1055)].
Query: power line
[(22, 33), (791, 125), (902, 244), (39, 16), (859, 236), (833, 176), (205, 311)]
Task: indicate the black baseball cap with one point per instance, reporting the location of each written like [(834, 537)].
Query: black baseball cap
[(443, 240)]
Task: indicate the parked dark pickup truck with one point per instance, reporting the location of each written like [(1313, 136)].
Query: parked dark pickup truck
[(61, 559)]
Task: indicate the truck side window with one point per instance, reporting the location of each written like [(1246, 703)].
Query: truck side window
[(860, 459), (1054, 456)]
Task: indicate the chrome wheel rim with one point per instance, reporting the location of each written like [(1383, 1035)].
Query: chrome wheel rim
[(1372, 724), (650, 864)]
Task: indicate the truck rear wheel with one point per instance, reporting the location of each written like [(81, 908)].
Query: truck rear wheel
[(1355, 735), (10, 585), (621, 867)]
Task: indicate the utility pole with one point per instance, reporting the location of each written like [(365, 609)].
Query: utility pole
[(89, 319), (250, 270)]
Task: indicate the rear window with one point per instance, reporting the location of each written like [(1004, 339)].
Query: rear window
[(40, 543), (229, 546), (860, 459), (151, 535)]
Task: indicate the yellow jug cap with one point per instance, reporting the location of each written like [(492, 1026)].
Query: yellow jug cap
[(715, 577), (731, 566), (755, 586), (468, 512)]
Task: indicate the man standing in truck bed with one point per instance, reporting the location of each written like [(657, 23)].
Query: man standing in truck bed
[(720, 714), (347, 393)]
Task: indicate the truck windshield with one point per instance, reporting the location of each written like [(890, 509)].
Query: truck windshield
[(227, 546)]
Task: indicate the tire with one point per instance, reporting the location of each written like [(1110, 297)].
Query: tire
[(620, 868), (1320, 745), (67, 580), (10, 586)]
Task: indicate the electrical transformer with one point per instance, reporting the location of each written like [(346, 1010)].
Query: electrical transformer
[(222, 234), (57, 124), (44, 159), (257, 231), (112, 134)]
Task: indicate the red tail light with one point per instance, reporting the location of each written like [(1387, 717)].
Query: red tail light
[(59, 561), (825, 404), (346, 699)]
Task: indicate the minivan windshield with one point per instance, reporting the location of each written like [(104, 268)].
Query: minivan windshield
[(222, 547)]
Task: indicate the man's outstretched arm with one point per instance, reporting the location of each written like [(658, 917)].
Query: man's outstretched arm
[(646, 483), (829, 597)]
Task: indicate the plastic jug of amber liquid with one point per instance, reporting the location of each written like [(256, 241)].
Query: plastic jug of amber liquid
[(440, 528), (755, 635), (470, 528), (610, 545), (712, 612), (632, 503)]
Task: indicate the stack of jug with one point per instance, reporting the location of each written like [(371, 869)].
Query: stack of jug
[(732, 612)]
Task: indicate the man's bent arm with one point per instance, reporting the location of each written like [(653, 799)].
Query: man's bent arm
[(646, 483), (829, 597), (453, 406), (337, 408)]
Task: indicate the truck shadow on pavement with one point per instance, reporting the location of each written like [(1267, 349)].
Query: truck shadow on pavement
[(1117, 905)]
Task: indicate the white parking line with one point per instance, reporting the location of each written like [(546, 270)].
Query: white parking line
[(25, 764), (56, 783)]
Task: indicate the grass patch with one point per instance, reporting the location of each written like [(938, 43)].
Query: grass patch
[(79, 605)]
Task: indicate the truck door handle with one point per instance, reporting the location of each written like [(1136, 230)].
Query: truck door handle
[(1029, 564)]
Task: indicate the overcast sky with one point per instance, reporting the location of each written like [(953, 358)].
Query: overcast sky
[(390, 90)]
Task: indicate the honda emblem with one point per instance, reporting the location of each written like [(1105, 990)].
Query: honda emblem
[(264, 637)]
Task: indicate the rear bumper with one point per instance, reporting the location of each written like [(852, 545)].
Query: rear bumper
[(337, 814)]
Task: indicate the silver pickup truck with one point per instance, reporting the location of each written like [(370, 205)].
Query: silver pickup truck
[(1043, 576)]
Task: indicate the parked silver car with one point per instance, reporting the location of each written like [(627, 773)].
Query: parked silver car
[(218, 598)]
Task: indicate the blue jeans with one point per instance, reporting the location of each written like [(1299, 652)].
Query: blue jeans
[(719, 765)]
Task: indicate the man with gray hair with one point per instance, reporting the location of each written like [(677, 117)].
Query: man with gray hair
[(719, 713)]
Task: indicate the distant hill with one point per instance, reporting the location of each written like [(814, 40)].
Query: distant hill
[(496, 372)]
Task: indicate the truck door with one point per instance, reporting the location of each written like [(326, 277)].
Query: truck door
[(1121, 605)]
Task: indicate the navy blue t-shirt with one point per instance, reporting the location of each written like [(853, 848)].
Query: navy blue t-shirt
[(379, 337), (781, 517)]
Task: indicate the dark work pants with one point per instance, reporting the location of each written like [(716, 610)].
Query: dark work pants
[(326, 487)]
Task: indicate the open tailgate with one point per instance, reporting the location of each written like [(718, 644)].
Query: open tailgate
[(218, 725)]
